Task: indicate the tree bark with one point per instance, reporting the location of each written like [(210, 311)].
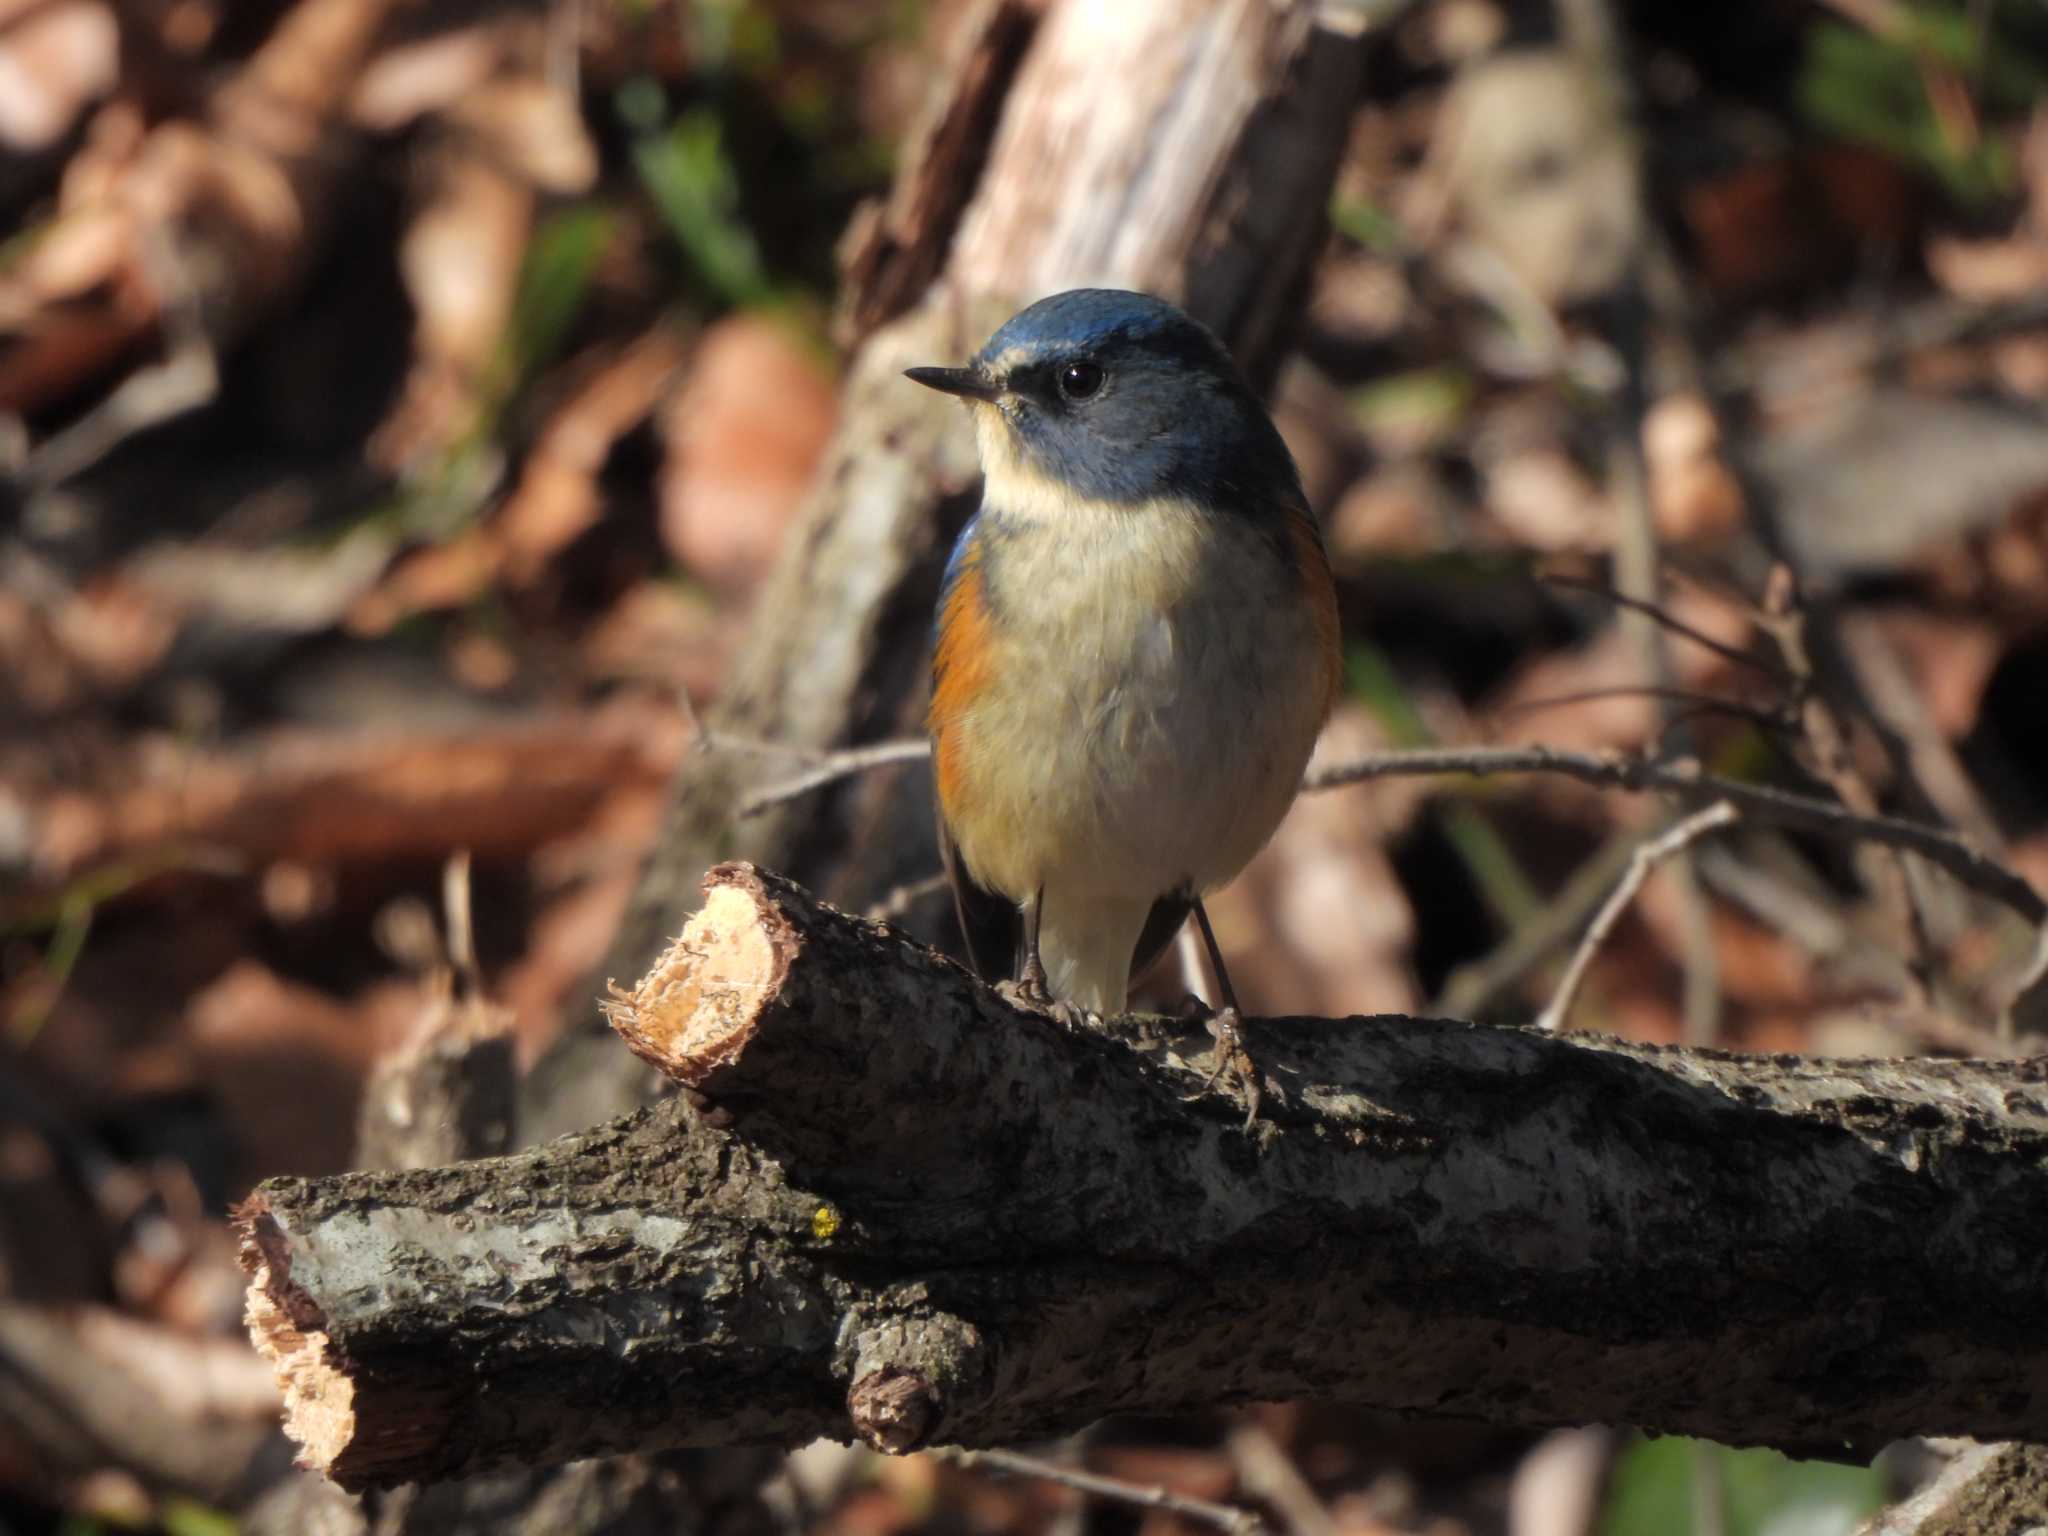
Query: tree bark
[(446, 1096), (1986, 1490), (1182, 146), (893, 1205)]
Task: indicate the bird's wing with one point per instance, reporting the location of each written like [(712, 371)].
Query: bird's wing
[(991, 925)]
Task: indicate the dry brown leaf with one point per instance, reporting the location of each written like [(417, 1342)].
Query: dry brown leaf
[(412, 79), (233, 196), (1950, 658), (1694, 495), (531, 126), (433, 577), (286, 1062), (743, 435), (460, 259), (2005, 267), (555, 501), (565, 943), (1612, 667), (318, 799), (193, 1379), (557, 498), (1397, 509), (54, 59), (662, 633), (113, 631), (1543, 703), (1996, 270), (1545, 501)]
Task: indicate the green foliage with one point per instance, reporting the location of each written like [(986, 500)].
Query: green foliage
[(1873, 88), (188, 1517), (555, 277), (1762, 1493), (554, 281), (68, 918), (1368, 224), (691, 182)]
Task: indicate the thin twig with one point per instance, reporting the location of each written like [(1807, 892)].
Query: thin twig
[(1699, 704), (2028, 1010), (901, 899), (187, 378), (456, 906), (1682, 778), (1224, 1517), (830, 768), (1686, 780), (1665, 619), (1783, 616), (1679, 837), (1473, 986), (1265, 1470), (708, 739)]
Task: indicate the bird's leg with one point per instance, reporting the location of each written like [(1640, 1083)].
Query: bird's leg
[(1030, 988), (1224, 1025)]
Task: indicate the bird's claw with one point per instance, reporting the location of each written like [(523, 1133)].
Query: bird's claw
[(1231, 1056), (1029, 992)]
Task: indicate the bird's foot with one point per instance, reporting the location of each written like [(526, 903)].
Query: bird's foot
[(1232, 1057), (1030, 992), (1026, 992)]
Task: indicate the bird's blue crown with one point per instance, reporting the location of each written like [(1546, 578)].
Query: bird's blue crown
[(1165, 411)]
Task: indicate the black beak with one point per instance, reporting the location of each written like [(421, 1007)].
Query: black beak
[(964, 382)]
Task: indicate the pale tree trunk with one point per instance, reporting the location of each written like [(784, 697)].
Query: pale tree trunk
[(1182, 146)]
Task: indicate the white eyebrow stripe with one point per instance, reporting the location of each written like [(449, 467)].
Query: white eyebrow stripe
[(1014, 357)]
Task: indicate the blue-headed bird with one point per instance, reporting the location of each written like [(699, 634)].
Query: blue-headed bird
[(1136, 644)]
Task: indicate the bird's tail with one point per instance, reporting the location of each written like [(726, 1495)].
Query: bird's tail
[(1087, 949)]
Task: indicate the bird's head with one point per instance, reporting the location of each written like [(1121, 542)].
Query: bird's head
[(1099, 396)]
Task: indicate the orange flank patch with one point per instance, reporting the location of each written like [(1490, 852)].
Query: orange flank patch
[(959, 671), (1313, 567)]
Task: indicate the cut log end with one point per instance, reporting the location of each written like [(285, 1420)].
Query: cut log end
[(700, 1005), (319, 1399)]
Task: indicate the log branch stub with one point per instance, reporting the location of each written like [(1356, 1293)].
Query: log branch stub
[(922, 1215), (892, 1409)]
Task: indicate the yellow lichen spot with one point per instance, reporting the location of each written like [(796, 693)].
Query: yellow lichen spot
[(824, 1222)]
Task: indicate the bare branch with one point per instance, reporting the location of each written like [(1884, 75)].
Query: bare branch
[(897, 1207), (1223, 1517), (1681, 778), (830, 767), (1685, 780), (1647, 857), (1658, 614)]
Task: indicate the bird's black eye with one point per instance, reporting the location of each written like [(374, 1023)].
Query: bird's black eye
[(1080, 380)]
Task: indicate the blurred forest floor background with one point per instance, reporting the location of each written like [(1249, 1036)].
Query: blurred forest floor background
[(400, 406)]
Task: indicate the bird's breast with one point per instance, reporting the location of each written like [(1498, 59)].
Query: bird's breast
[(1124, 696)]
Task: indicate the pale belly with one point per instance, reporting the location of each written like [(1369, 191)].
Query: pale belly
[(1155, 693)]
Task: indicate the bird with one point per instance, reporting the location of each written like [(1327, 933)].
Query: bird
[(1135, 647)]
